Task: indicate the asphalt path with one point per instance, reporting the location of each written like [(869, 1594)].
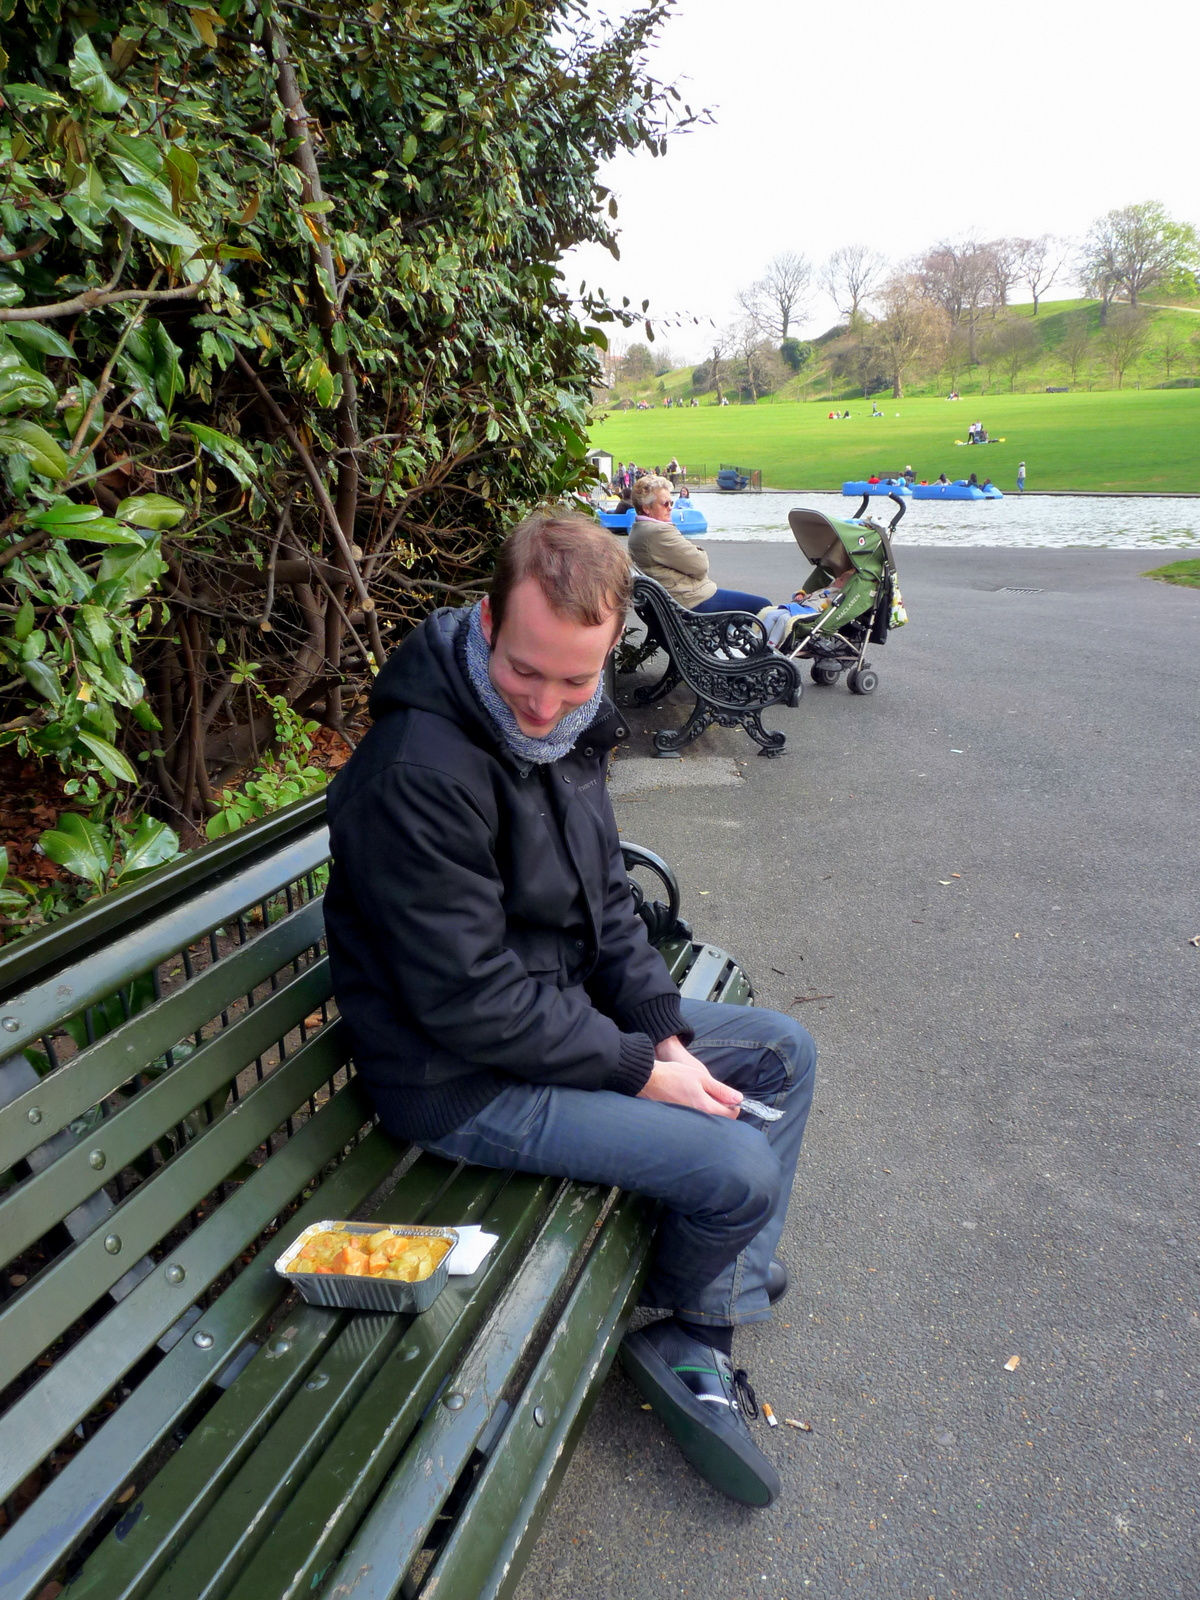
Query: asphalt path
[(988, 873)]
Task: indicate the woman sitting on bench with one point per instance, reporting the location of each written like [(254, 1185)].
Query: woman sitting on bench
[(657, 548)]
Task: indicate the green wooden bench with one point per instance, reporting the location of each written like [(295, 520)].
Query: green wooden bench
[(178, 1102)]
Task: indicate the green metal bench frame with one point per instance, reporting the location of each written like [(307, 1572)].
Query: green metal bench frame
[(174, 1422)]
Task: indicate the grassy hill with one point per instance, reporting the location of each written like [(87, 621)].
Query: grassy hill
[(1177, 325), (1129, 440)]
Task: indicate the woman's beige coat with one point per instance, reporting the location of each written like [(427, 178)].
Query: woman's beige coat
[(660, 551)]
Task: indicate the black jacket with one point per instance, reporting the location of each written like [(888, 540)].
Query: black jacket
[(481, 930)]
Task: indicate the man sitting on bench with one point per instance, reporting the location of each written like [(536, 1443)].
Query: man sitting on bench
[(505, 1004)]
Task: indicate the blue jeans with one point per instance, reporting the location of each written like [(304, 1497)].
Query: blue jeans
[(733, 600), (724, 1185)]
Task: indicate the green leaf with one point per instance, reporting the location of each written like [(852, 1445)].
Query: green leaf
[(152, 844), (22, 388), (155, 511), (32, 97), (184, 173), (89, 77), (139, 570), (99, 628), (64, 513), (39, 448), (23, 622), (41, 678), (80, 846), (37, 336), (108, 756), (142, 207), (142, 154), (105, 531), (234, 457)]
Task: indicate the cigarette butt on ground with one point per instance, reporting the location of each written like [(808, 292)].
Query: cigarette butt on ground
[(1012, 1363), (772, 1420), (805, 1427)]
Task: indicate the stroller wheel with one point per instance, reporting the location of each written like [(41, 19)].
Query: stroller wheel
[(825, 675), (863, 681)]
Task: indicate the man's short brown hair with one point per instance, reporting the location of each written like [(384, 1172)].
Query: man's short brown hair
[(579, 566)]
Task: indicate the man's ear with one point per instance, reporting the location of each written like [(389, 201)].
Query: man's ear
[(485, 619)]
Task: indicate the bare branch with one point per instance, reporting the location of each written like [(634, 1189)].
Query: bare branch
[(93, 299)]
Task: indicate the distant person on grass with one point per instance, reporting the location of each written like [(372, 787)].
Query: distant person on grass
[(1020, 477), (505, 1005), (657, 548)]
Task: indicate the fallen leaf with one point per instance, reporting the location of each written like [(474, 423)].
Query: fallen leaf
[(804, 1427), (705, 891), (1012, 1363), (945, 883), (1195, 940)]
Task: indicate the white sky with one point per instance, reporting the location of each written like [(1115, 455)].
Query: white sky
[(894, 123)]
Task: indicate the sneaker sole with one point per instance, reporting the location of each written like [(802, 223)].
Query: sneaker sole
[(733, 1465)]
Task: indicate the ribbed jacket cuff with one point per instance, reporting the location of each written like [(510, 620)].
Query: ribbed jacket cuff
[(660, 1018), (634, 1065)]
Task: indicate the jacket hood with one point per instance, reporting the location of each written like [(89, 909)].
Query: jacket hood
[(428, 673)]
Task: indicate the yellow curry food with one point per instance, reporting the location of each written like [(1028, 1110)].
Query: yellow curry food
[(377, 1255)]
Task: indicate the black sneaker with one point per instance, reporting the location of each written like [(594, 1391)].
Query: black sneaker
[(697, 1393)]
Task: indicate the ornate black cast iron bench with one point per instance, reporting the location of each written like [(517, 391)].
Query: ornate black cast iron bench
[(724, 658), (177, 1102)]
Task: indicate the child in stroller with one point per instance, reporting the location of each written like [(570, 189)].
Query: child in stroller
[(850, 599)]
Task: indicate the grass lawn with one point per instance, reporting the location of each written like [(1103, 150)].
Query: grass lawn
[(1144, 440), (1184, 572)]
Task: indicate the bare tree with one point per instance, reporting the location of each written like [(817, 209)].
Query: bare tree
[(1006, 268), (780, 297), (1012, 344), (959, 277), (1039, 262), (850, 278), (723, 340), (1123, 339), (909, 330), (1076, 344)]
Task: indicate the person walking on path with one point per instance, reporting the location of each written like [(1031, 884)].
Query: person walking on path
[(503, 1001), (657, 548), (1020, 477)]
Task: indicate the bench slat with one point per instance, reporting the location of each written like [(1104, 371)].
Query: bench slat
[(329, 1504), (391, 1535), (47, 1197), (308, 1431), (66, 1289), (488, 1547), (95, 923), (78, 1495), (100, 1069), (50, 1001), (199, 1474)]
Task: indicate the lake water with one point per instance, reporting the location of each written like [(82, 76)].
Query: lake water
[(1053, 521)]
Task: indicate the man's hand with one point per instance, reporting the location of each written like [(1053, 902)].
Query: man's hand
[(681, 1079)]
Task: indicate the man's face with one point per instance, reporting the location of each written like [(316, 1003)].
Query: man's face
[(543, 665)]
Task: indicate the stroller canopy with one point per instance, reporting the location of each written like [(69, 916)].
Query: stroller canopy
[(839, 547)]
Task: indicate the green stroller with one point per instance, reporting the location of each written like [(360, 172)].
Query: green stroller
[(856, 597)]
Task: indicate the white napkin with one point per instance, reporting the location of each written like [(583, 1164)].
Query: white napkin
[(471, 1250)]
